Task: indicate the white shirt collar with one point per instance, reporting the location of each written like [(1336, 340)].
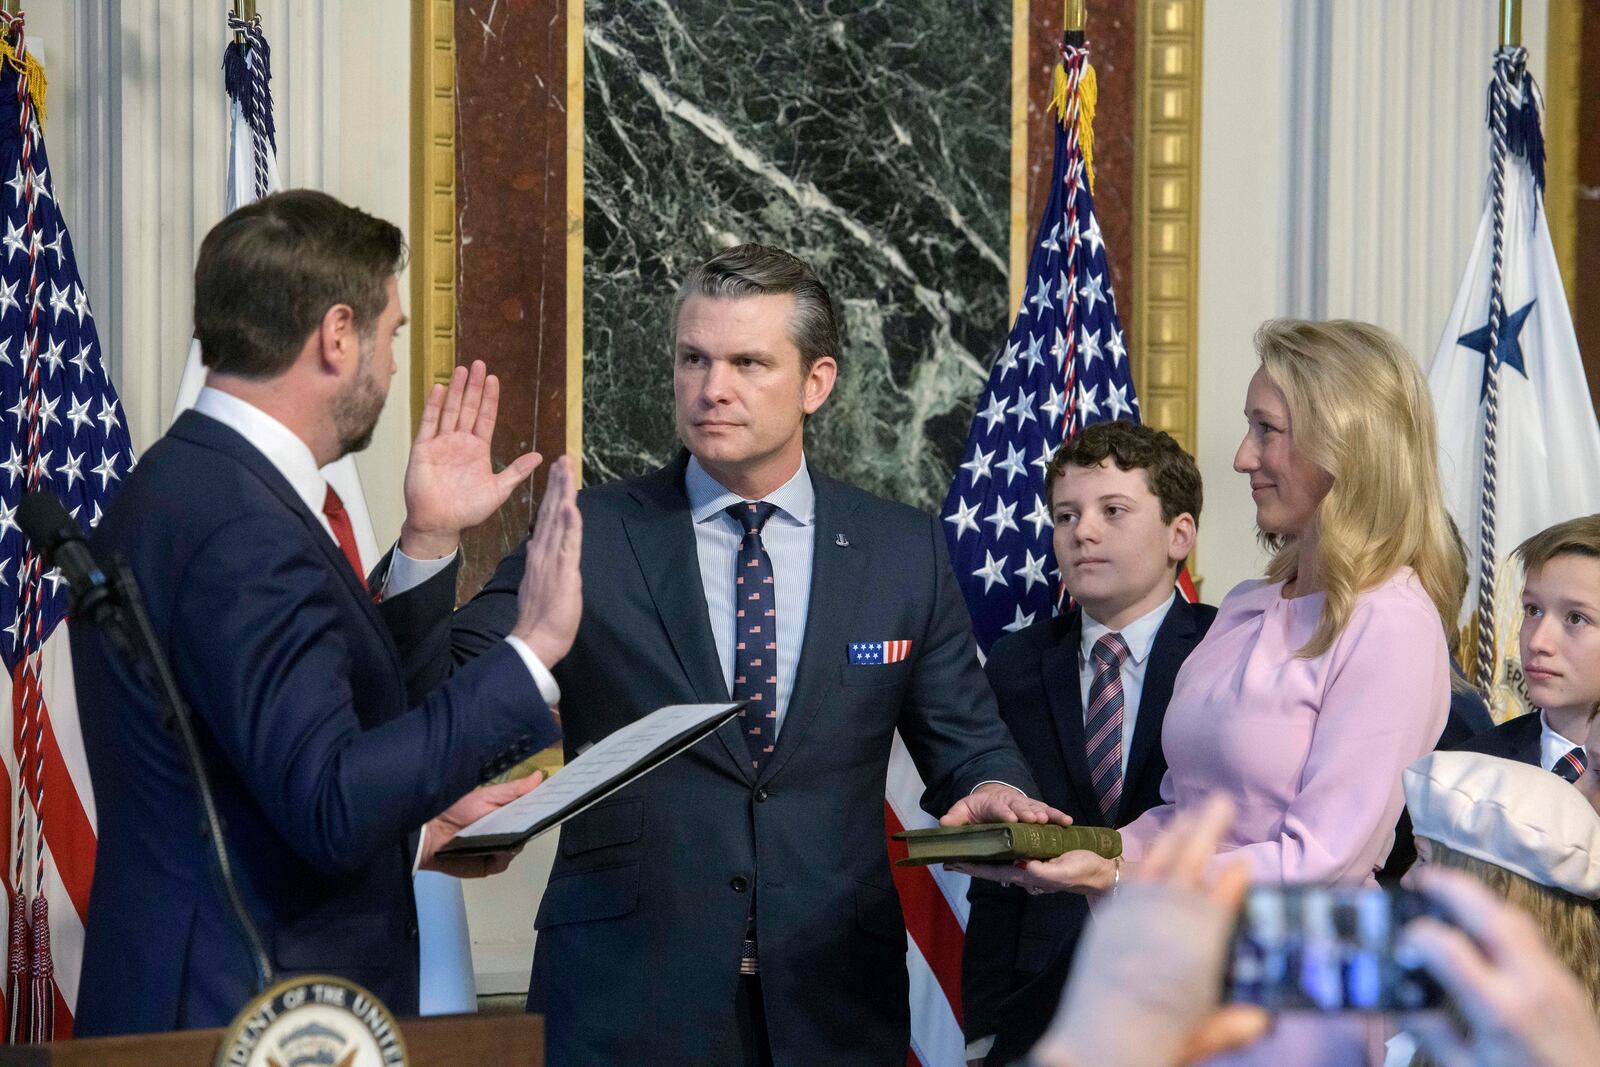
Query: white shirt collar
[(287, 453), (1552, 741), (1139, 635), (796, 498)]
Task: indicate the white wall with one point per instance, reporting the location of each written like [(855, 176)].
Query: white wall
[(1342, 170), (136, 134)]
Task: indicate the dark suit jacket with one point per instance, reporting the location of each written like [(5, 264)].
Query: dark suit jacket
[(640, 929), (1515, 739), (1019, 947), (321, 775)]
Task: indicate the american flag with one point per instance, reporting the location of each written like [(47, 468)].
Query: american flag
[(867, 653), (62, 432), (1063, 367)]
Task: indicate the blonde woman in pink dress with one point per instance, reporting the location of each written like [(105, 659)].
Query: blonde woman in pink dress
[(1318, 684)]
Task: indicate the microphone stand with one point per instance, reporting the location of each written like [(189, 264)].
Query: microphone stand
[(128, 628)]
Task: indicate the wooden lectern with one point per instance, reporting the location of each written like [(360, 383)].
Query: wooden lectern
[(509, 1040)]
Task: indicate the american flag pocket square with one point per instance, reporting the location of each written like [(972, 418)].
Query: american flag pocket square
[(877, 653)]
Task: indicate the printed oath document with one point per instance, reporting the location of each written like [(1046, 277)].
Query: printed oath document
[(601, 769), (1004, 842)]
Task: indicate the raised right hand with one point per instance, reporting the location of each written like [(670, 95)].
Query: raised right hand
[(550, 599)]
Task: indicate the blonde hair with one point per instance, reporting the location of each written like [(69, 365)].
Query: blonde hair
[(1359, 409), (1568, 922)]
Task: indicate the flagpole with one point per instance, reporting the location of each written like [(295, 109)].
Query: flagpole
[(1511, 23), (1074, 17), (1508, 68)]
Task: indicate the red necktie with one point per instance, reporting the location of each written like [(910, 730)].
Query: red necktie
[(343, 532)]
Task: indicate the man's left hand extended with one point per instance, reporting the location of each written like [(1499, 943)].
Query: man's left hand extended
[(994, 802), (463, 813)]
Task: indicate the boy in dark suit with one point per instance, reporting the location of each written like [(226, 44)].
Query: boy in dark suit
[(1084, 694), (1560, 649)]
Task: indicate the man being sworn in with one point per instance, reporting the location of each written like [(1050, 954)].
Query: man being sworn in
[(735, 906), (333, 781)]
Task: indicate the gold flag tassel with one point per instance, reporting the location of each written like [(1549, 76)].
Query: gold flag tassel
[(1088, 95), (28, 66)]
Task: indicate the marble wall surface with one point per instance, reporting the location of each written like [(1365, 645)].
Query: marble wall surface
[(870, 137)]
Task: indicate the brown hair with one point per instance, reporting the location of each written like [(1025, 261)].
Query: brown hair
[(270, 271), (1169, 471), (759, 270), (1575, 537)]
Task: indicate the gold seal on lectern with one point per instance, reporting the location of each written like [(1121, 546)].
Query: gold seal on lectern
[(314, 1019)]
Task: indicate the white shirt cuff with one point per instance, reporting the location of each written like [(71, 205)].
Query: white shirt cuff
[(548, 689), (994, 781), (541, 674), (977, 1050), (406, 573)]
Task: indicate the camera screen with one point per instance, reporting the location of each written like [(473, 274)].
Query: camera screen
[(1327, 948)]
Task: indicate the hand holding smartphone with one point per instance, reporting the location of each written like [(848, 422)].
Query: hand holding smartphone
[(1328, 949)]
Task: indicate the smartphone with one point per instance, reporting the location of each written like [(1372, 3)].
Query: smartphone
[(1329, 949)]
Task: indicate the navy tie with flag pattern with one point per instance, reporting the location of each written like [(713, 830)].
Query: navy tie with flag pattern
[(1103, 721), (755, 632), (1572, 765)]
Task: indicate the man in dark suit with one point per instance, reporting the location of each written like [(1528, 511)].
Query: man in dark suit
[(1084, 694), (331, 793), (735, 906)]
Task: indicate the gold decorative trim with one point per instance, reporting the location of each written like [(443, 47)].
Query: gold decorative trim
[(575, 232), (1166, 217), (1018, 261), (433, 197), (1563, 48)]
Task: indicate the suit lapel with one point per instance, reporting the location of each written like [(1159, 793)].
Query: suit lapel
[(209, 433), (1530, 747), (1175, 639), (837, 572), (661, 533), (1062, 690)]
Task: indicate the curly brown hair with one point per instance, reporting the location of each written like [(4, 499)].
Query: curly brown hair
[(1168, 470)]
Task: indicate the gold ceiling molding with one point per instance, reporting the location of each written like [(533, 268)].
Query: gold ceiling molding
[(433, 197), (1021, 234), (1166, 217)]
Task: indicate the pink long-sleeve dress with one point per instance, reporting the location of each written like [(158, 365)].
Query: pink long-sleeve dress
[(1310, 750)]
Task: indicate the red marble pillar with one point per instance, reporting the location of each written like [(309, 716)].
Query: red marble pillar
[(1586, 310), (1113, 44), (511, 135)]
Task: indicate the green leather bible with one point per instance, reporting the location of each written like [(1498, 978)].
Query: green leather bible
[(1004, 842)]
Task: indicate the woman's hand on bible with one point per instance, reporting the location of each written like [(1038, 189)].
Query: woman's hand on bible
[(1079, 871)]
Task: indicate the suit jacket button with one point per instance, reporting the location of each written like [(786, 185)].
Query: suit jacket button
[(411, 931), (739, 883), (761, 796)]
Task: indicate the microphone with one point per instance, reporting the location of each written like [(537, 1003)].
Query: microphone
[(55, 535)]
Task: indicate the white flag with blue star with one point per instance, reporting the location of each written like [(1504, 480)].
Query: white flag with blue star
[(1547, 442)]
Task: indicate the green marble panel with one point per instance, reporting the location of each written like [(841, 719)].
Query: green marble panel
[(870, 137)]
